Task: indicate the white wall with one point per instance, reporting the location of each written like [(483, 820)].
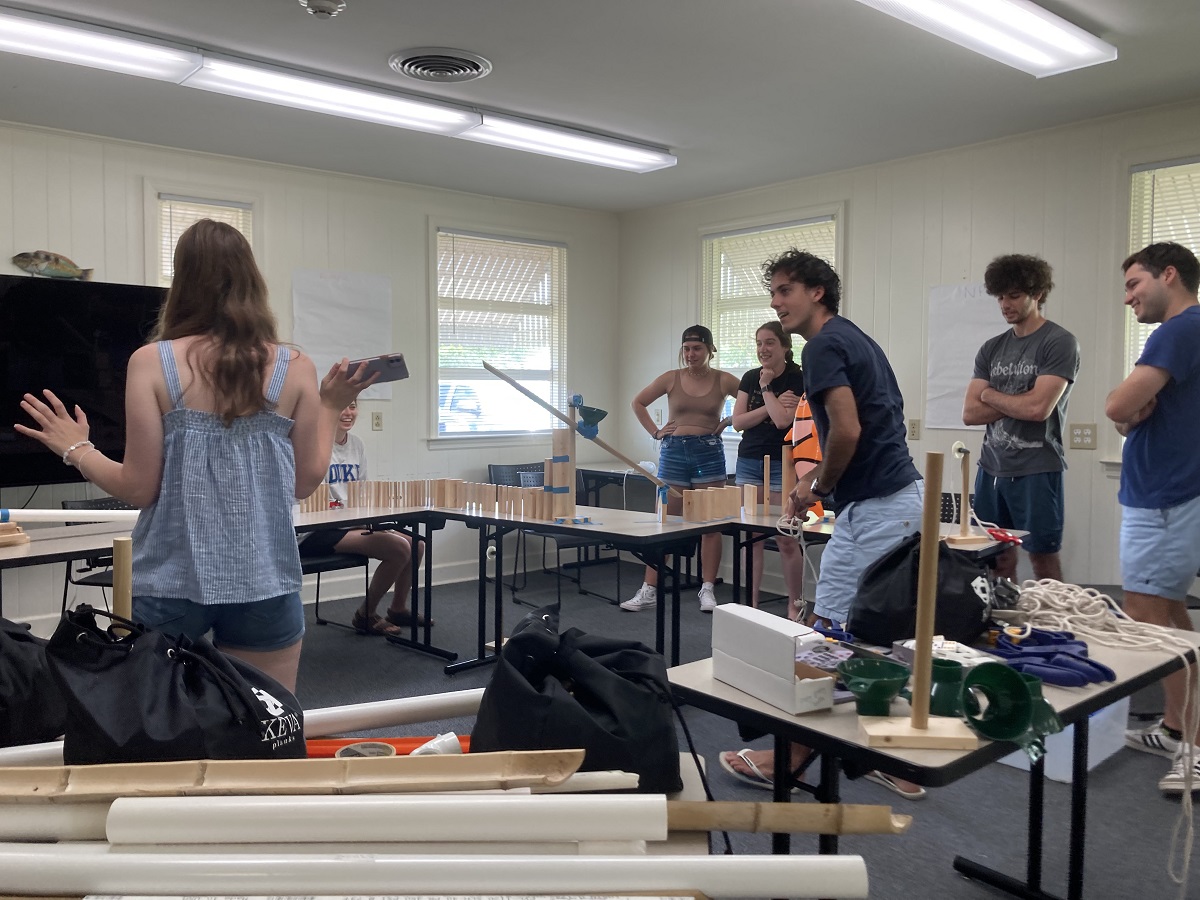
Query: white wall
[(84, 197), (939, 219)]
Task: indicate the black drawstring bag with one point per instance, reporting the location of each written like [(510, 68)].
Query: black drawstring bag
[(608, 696), (32, 708), (137, 695), (885, 608)]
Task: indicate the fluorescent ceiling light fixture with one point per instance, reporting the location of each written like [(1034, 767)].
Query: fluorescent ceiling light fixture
[(1017, 33), (31, 35), (85, 45), (565, 143), (305, 92)]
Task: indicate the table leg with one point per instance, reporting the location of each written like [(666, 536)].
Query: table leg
[(425, 645), (675, 610), (829, 791), (738, 548), (482, 657), (782, 843)]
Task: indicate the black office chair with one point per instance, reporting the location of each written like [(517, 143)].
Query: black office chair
[(94, 571), (333, 562), (533, 475)]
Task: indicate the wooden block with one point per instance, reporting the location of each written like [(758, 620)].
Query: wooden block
[(13, 538), (732, 501), (766, 504), (702, 505), (943, 733), (689, 506), (789, 472), (967, 540), (749, 498)]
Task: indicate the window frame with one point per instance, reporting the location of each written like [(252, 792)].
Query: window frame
[(558, 329), (217, 195), (794, 218)]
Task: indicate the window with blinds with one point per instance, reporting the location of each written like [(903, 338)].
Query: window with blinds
[(734, 301), (502, 301), (1164, 206), (178, 213)]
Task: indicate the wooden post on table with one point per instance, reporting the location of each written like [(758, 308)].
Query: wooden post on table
[(123, 577), (749, 499), (766, 504), (965, 537), (920, 730), (563, 469), (789, 473)]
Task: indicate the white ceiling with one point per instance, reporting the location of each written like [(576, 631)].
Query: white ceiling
[(744, 92)]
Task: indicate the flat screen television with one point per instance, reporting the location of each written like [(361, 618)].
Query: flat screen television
[(75, 338)]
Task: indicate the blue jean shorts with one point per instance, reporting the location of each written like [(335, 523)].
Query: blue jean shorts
[(685, 460), (750, 471), (1160, 549), (863, 532), (1032, 503), (261, 626)]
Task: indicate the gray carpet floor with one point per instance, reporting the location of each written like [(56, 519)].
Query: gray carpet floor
[(981, 816)]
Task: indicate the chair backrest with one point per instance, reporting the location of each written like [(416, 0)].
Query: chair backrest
[(97, 503), (532, 479), (510, 475), (950, 507)]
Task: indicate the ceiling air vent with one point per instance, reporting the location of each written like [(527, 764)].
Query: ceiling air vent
[(323, 9), (440, 65)]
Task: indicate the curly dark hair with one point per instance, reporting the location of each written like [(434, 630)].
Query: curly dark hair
[(1157, 257), (809, 270), (1017, 272)]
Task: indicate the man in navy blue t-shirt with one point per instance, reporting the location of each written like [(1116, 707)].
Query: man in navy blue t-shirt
[(859, 416)]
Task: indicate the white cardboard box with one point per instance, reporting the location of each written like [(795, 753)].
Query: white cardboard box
[(755, 652), (1106, 735)]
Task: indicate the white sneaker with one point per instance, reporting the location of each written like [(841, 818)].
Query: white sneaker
[(708, 600), (1175, 781), (1153, 739), (645, 598)]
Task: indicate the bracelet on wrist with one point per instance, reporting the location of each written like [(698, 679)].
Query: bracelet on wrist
[(82, 457), (72, 449)]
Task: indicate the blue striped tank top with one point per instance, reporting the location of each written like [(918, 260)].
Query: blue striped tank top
[(221, 528)]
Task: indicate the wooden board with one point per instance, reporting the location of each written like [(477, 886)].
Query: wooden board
[(898, 731), (382, 774)]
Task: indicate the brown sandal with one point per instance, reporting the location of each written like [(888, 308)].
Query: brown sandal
[(406, 618), (373, 626)]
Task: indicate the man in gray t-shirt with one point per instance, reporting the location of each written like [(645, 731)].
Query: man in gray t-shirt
[(1019, 390)]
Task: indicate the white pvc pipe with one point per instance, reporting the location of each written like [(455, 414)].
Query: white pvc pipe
[(384, 817), (53, 821), (428, 848), (385, 713), (328, 720), (68, 515), (27, 869)]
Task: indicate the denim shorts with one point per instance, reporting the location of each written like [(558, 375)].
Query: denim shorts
[(750, 471), (1160, 549), (863, 532), (685, 460), (262, 625), (1032, 503)]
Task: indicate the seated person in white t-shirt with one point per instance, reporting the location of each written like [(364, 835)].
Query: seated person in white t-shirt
[(393, 549)]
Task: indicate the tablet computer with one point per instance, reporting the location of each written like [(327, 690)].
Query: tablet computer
[(389, 366)]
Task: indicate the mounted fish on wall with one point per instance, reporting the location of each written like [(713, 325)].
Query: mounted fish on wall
[(52, 265)]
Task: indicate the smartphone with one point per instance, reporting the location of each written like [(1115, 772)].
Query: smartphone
[(390, 366)]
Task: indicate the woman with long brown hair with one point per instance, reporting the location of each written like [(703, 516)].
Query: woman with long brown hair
[(225, 428)]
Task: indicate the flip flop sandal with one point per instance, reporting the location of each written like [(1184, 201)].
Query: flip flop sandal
[(375, 626), (887, 781), (405, 619), (754, 777)]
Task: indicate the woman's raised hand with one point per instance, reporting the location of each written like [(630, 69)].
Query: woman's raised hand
[(59, 428)]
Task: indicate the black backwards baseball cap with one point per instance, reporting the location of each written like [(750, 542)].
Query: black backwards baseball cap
[(700, 334)]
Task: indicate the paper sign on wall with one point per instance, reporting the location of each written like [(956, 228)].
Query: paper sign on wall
[(961, 318)]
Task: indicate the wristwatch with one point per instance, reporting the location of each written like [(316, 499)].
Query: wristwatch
[(766, 389), (817, 492)]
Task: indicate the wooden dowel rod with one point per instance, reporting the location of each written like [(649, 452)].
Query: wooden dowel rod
[(927, 590), (784, 818), (964, 508), (554, 412), (123, 577)]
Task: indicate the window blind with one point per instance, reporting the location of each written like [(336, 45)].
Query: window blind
[(734, 302), (504, 301), (178, 213), (1164, 206)]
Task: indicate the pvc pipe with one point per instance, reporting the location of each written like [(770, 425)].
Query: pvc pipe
[(383, 817), (385, 713), (68, 515), (29, 869), (418, 848), (53, 821), (49, 753)]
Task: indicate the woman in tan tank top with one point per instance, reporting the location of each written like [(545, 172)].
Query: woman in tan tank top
[(691, 454)]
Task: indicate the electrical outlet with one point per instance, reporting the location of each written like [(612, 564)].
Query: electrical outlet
[(657, 416), (377, 421), (914, 429), (1082, 435)]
